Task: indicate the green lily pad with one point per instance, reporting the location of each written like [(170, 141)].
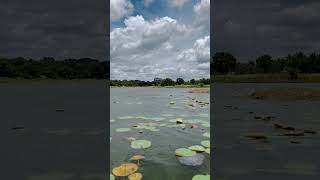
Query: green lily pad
[(112, 177), (123, 129), (207, 150), (206, 135), (126, 117), (205, 143), (140, 144), (201, 177), (184, 152), (197, 148)]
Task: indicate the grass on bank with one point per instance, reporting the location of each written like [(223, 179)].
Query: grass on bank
[(266, 78)]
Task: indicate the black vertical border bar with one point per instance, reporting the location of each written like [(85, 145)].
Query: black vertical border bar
[(108, 87), (212, 127)]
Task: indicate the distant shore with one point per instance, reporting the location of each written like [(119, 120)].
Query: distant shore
[(266, 78), (177, 86)]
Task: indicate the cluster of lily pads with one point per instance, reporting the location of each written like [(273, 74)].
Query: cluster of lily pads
[(191, 156)]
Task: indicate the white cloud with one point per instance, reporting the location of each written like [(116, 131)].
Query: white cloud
[(162, 47), (177, 3), (140, 36), (202, 7), (120, 9), (146, 3), (199, 54)]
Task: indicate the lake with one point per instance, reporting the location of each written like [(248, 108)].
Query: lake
[(280, 157), (64, 130), (151, 114)]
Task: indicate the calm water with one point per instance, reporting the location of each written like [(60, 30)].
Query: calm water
[(69, 145), (237, 157), (154, 104)]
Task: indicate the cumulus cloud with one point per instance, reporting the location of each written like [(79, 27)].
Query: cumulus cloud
[(144, 49), (177, 3), (202, 7), (140, 36), (198, 55), (120, 9)]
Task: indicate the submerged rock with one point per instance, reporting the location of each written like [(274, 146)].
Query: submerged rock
[(195, 160)]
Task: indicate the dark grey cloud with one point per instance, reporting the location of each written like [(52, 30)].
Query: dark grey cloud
[(249, 28), (56, 28)]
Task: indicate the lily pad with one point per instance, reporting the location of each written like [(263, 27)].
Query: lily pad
[(205, 143), (201, 177), (197, 148), (140, 144), (206, 135), (207, 150), (123, 129), (125, 169), (112, 177), (137, 158), (135, 176), (125, 117), (195, 160), (184, 152)]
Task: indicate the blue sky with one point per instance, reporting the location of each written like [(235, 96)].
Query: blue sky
[(160, 38)]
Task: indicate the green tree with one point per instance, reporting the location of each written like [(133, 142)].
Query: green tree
[(264, 62), (179, 81)]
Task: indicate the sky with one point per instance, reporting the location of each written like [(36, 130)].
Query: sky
[(53, 28), (250, 28), (159, 38)]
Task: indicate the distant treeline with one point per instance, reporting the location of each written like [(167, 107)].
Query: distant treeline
[(226, 63), (161, 82), (49, 68)]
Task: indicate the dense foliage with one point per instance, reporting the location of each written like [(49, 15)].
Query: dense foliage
[(50, 68), (226, 63), (163, 82)]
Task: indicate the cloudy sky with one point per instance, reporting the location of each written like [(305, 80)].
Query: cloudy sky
[(56, 28), (159, 38), (250, 28)]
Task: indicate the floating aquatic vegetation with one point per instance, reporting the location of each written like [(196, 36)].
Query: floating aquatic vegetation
[(141, 117), (125, 117), (207, 150), (157, 118), (140, 144), (176, 126), (194, 121), (123, 129), (197, 148), (205, 143), (195, 160), (201, 177), (179, 121), (137, 157), (125, 169), (184, 152), (206, 135), (131, 138), (135, 176), (112, 177)]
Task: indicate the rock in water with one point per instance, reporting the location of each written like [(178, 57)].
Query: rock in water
[(195, 160)]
